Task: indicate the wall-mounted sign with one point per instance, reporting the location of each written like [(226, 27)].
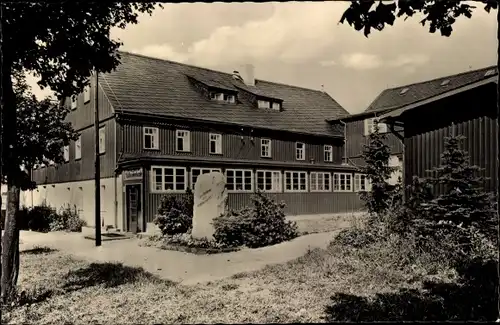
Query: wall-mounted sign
[(132, 174)]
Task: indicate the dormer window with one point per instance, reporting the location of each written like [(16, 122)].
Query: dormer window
[(277, 106), (403, 91), (489, 73), (445, 82), (263, 104), (221, 97)]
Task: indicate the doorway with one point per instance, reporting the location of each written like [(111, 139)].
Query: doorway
[(133, 198)]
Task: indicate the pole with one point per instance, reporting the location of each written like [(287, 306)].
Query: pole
[(498, 163), (97, 170)]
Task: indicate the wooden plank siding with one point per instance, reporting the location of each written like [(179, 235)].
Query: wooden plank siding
[(474, 116), (356, 139), (82, 120), (296, 203), (234, 146)]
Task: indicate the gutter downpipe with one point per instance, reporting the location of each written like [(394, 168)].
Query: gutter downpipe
[(345, 141)]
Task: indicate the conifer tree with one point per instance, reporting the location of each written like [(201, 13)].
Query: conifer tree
[(376, 155)]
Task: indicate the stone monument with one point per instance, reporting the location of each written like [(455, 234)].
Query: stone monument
[(210, 196)]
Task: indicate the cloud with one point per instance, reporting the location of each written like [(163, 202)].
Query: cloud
[(162, 51), (361, 61), (405, 60), (328, 63)]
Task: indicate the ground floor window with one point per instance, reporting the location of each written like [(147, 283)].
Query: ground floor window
[(295, 181), (361, 183), (195, 172), (269, 181), (239, 180), (166, 179), (342, 182), (320, 182)]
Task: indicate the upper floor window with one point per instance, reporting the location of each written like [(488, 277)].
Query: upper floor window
[(183, 140), (342, 182), (320, 182), (269, 181), (166, 179), (361, 183), (276, 106), (295, 181), (78, 148), (102, 140), (222, 97), (215, 143), (150, 137), (265, 148), (195, 172), (66, 153), (86, 94), (370, 126), (74, 101), (263, 104), (328, 153), (239, 180), (300, 151)]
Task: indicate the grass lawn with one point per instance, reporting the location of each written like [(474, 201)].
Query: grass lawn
[(69, 290)]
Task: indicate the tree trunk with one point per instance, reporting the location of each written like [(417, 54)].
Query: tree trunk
[(498, 160), (10, 246), (10, 168)]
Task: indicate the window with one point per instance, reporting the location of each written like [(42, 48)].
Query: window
[(150, 136), (78, 148), (269, 181), (489, 73), (74, 101), (265, 148), (228, 98), (342, 182), (396, 163), (300, 151), (166, 179), (183, 140), (215, 143), (321, 182), (195, 172), (66, 153), (361, 183), (263, 104), (102, 140), (239, 180), (370, 126), (445, 82), (86, 94), (403, 91), (276, 106), (328, 153), (295, 181)]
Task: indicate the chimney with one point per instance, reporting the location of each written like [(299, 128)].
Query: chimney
[(248, 74)]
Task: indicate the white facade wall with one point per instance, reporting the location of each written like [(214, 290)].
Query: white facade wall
[(81, 194)]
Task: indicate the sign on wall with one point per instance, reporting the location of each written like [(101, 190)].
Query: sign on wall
[(132, 174)]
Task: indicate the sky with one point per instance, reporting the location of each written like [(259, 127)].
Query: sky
[(303, 44)]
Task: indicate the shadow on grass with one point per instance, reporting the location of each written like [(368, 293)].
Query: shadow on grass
[(37, 250), (473, 298), (108, 275)]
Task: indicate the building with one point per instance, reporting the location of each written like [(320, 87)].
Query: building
[(164, 123), (359, 126), (428, 111)]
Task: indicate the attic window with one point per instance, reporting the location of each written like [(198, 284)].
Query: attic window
[(221, 97), (403, 91), (489, 73), (263, 104), (276, 106), (445, 82)]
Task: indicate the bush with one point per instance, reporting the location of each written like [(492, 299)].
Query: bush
[(263, 224), (175, 215), (356, 237), (39, 217), (67, 219)]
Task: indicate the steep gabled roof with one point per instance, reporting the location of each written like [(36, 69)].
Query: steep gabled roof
[(142, 84), (395, 98)]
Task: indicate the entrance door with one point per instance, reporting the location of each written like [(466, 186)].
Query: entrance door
[(134, 206)]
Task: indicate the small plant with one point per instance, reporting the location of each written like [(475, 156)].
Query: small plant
[(67, 219), (175, 215), (356, 237), (263, 224)]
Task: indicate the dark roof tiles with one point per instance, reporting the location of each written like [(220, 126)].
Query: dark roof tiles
[(149, 85)]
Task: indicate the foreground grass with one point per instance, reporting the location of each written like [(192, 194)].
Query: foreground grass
[(68, 290)]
